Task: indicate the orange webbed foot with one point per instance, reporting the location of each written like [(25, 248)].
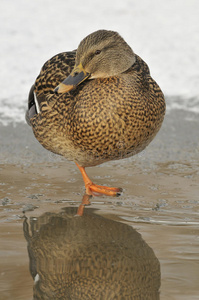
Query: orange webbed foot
[(97, 190)]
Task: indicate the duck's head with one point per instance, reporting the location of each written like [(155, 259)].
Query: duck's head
[(101, 54)]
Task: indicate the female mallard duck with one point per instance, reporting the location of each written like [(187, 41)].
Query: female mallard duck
[(96, 104)]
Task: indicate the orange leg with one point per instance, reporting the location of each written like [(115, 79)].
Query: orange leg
[(85, 201), (97, 190)]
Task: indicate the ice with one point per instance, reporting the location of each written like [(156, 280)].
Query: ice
[(164, 33)]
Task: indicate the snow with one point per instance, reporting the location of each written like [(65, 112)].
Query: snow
[(164, 33)]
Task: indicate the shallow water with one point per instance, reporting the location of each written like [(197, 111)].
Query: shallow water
[(160, 201), (161, 206)]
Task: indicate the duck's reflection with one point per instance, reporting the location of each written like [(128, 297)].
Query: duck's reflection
[(89, 257)]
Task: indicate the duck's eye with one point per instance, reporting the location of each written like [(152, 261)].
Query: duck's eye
[(97, 52)]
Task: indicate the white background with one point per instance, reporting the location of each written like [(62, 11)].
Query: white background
[(164, 33)]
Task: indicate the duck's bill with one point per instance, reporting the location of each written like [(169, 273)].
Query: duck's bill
[(77, 76)]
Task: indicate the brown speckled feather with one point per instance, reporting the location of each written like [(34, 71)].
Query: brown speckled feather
[(102, 119)]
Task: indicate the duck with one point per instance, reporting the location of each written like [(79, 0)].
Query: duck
[(96, 104)]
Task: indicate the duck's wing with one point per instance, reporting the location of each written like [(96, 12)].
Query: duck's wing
[(52, 73)]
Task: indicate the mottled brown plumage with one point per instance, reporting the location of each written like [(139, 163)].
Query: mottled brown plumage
[(113, 111)]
